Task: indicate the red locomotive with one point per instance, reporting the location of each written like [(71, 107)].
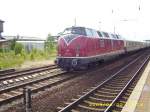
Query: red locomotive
[(80, 46)]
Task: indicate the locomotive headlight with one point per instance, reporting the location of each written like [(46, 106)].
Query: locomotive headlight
[(74, 62), (77, 50)]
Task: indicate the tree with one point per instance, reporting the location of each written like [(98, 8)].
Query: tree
[(18, 48), (13, 43), (49, 44)]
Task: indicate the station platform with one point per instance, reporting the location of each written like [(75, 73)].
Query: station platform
[(139, 100)]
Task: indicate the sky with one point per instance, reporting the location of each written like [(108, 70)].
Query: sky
[(37, 18)]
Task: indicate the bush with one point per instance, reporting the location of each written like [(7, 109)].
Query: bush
[(18, 48), (23, 54), (13, 43), (14, 58), (32, 56)]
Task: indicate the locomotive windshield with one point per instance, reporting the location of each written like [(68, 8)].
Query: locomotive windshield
[(74, 30)]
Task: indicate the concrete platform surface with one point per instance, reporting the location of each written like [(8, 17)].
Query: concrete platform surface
[(139, 100)]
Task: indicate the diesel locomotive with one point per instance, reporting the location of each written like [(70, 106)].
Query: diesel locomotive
[(80, 46)]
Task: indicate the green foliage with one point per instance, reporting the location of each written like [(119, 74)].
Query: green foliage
[(23, 54), (17, 55), (13, 43), (49, 44), (32, 56), (9, 59), (18, 48), (1, 50)]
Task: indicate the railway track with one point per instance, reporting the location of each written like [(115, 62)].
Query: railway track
[(40, 81), (6, 71), (13, 72), (12, 83), (16, 76), (14, 92), (112, 94)]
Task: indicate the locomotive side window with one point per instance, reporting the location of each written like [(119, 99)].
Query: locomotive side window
[(117, 36), (113, 36), (99, 33), (106, 34)]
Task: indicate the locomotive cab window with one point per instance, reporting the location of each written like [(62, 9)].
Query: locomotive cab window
[(74, 30), (94, 33), (89, 32), (70, 33)]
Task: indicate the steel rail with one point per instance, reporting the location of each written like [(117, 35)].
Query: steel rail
[(26, 72), (8, 100), (30, 82), (6, 71)]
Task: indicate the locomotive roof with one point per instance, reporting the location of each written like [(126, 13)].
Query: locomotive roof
[(101, 33), (80, 27)]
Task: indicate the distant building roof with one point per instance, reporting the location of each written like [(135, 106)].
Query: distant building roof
[(1, 21), (24, 38), (3, 40)]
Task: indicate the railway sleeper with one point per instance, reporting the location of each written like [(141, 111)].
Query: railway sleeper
[(104, 96), (113, 87), (106, 92), (102, 99), (84, 108), (110, 90)]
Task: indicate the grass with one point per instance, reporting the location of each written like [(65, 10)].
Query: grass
[(11, 60)]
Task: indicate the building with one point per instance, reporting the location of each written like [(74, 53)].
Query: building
[(29, 43), (147, 40), (4, 44), (1, 28)]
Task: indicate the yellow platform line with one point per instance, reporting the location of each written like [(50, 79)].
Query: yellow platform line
[(130, 106)]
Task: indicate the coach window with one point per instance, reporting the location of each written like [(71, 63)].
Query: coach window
[(89, 32)]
